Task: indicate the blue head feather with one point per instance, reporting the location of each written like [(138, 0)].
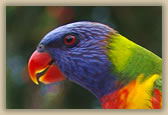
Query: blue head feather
[(85, 63)]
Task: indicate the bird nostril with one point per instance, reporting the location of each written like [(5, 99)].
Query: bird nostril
[(40, 48)]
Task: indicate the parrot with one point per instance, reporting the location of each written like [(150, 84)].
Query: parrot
[(118, 72)]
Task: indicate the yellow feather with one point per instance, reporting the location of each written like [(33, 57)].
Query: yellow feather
[(139, 92), (119, 54)]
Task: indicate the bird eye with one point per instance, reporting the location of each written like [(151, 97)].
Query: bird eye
[(69, 40)]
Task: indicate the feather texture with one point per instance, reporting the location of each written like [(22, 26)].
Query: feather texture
[(137, 94)]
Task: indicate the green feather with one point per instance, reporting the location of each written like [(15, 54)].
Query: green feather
[(130, 60)]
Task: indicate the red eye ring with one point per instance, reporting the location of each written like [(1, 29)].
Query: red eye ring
[(69, 40)]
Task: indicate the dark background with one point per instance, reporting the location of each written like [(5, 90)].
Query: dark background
[(25, 27)]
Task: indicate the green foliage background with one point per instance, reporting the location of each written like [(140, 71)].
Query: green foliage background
[(26, 26)]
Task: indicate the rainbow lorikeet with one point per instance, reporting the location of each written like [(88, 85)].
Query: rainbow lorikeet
[(120, 73)]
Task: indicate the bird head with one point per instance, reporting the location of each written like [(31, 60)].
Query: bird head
[(74, 51)]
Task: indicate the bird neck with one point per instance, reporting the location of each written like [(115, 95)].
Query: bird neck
[(105, 85), (129, 59)]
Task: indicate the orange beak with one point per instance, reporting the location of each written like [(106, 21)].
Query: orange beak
[(41, 63)]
